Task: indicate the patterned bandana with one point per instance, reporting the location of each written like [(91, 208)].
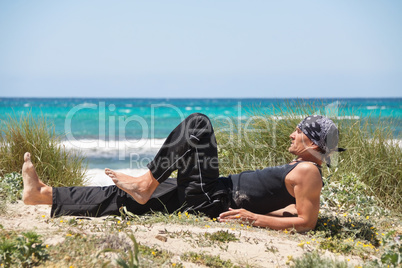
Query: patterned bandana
[(322, 132)]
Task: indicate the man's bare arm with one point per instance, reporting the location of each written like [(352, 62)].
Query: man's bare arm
[(289, 211), (272, 222), (307, 189)]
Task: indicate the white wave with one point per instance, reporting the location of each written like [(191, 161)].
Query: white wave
[(395, 142), (354, 117), (101, 148), (278, 117), (390, 142), (127, 111), (97, 177), (372, 107), (242, 117), (334, 104), (87, 104)]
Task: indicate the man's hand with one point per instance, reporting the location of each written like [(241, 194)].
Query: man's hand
[(239, 215)]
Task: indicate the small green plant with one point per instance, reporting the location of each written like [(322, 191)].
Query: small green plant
[(314, 259), (393, 252), (349, 193), (343, 233), (221, 236), (54, 164), (343, 226), (218, 238), (207, 260), (7, 252), (150, 257), (25, 250), (11, 187)]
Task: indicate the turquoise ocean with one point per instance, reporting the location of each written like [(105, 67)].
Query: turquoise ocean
[(126, 133)]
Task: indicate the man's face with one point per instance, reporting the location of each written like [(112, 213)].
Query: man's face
[(299, 142)]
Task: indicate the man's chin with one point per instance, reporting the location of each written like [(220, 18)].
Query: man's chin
[(290, 150)]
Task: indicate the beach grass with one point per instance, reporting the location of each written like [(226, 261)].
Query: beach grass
[(54, 164), (373, 154)]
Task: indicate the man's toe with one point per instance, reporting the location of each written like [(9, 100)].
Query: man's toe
[(27, 156)]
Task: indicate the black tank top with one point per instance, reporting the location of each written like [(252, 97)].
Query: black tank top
[(262, 191)]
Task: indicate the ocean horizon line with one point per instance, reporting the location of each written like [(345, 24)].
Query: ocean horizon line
[(210, 98)]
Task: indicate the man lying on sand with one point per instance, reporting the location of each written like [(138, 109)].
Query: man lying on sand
[(281, 197)]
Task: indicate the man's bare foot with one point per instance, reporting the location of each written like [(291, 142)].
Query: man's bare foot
[(140, 188), (35, 191)]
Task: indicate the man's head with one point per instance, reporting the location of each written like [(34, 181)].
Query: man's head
[(322, 136)]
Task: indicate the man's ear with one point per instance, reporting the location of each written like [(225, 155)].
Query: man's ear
[(315, 147), (316, 151)]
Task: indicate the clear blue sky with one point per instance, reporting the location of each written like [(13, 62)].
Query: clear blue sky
[(208, 48)]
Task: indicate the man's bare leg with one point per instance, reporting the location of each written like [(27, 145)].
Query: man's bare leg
[(140, 188), (35, 191)]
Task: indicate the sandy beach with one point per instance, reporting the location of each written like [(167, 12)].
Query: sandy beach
[(255, 247)]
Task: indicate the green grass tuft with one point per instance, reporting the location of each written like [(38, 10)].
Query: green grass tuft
[(54, 164), (221, 236)]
